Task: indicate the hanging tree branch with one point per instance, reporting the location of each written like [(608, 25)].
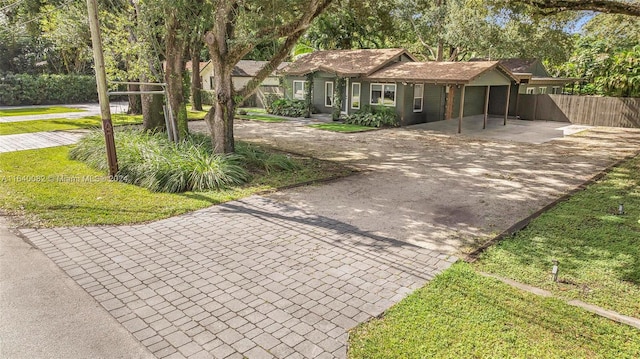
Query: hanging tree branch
[(549, 7)]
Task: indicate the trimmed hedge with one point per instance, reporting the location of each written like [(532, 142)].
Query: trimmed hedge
[(24, 89)]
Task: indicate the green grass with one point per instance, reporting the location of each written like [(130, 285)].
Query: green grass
[(261, 118), (461, 314), (342, 127), (62, 124), (37, 111), (253, 109), (45, 188), (194, 115), (599, 251), (87, 122)]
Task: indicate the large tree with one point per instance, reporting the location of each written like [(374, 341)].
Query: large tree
[(455, 30), (240, 26)]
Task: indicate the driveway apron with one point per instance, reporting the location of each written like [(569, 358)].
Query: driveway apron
[(253, 278)]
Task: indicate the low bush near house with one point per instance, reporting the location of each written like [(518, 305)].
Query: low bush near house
[(373, 117), (287, 108), (153, 162)]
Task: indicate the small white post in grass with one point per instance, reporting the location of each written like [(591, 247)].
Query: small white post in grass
[(621, 209), (554, 270)]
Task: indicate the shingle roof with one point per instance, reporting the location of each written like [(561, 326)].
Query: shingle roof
[(437, 72), (517, 65), (250, 68), (345, 62), (203, 64)]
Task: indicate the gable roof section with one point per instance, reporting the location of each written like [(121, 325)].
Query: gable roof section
[(517, 65), (345, 62), (438, 72), (250, 68), (203, 64)]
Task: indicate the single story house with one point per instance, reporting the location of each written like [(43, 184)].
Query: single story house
[(241, 74), (419, 91)]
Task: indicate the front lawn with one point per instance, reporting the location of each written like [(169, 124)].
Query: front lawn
[(62, 124), (37, 111), (87, 122), (194, 115), (342, 127), (46, 188), (598, 250), (461, 314)]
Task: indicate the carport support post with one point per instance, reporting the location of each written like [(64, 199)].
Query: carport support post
[(461, 110), (506, 109), (486, 106)]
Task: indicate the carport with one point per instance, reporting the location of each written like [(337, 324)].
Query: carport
[(465, 88)]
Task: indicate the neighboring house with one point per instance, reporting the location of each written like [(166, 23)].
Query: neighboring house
[(242, 73), (419, 91)]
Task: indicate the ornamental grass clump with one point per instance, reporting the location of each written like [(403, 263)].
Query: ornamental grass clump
[(153, 162)]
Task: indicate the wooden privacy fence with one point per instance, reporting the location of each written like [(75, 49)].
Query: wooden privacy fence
[(584, 110)]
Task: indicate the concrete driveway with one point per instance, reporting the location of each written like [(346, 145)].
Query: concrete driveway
[(431, 187)]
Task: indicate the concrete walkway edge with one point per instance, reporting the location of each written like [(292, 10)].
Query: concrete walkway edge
[(609, 314)]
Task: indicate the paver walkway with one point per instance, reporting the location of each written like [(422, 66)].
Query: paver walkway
[(253, 278), (35, 140)]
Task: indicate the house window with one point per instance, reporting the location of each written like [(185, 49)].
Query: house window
[(355, 95), (299, 89), (531, 90), (556, 90), (418, 94), (383, 94), (542, 90), (328, 94), (211, 82)]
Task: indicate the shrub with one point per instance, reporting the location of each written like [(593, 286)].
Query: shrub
[(288, 108), (242, 112), (379, 116), (153, 162), (257, 159), (207, 97), (269, 99), (23, 89)]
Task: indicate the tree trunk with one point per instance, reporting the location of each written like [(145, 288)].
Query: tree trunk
[(220, 117), (173, 75), (135, 102), (152, 112), (440, 52), (196, 80)]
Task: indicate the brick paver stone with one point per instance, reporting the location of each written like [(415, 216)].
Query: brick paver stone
[(254, 278)]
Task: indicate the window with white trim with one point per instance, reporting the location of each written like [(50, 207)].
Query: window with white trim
[(355, 95), (328, 94), (299, 89), (556, 90), (418, 95), (383, 94), (542, 90), (531, 90)]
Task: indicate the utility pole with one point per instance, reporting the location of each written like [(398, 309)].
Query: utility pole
[(101, 81)]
